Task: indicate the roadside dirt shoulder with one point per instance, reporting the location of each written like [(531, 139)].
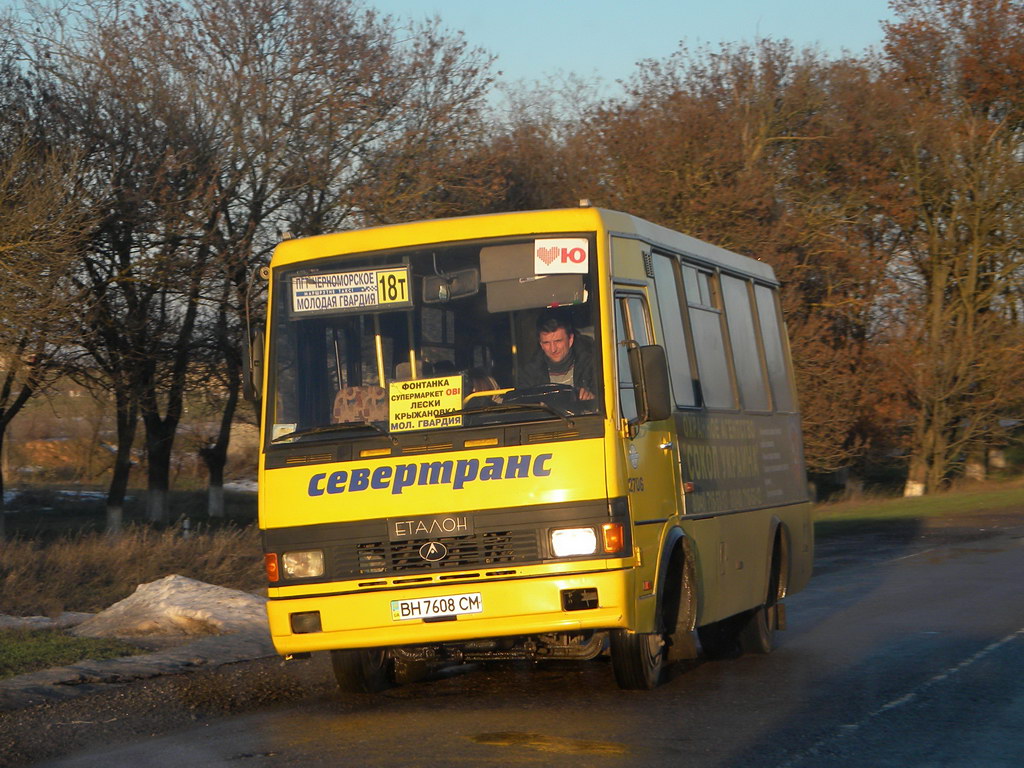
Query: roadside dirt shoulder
[(115, 713)]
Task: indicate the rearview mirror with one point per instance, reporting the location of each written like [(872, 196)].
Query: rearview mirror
[(651, 385), (438, 289)]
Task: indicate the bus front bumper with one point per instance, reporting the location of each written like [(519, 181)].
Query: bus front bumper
[(524, 606)]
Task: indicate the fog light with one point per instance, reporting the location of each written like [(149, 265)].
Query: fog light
[(303, 565), (566, 542), (306, 622)]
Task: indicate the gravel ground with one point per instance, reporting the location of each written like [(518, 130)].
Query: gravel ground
[(210, 655), (123, 712)]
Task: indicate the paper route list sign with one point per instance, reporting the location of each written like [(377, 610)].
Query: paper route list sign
[(424, 403)]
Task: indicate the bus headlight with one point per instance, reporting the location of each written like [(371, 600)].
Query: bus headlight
[(303, 565), (566, 542)]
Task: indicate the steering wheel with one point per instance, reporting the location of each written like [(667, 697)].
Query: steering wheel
[(541, 392), (492, 393)]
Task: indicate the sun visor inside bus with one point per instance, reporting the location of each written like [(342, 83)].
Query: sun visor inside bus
[(507, 271), (506, 262), (532, 292)]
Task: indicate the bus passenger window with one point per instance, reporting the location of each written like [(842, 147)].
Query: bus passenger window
[(774, 352), (745, 355), (674, 333), (716, 383)]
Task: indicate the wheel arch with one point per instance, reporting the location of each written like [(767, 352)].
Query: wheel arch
[(676, 573), (779, 552)]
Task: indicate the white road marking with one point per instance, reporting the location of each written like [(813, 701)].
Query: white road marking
[(851, 728)]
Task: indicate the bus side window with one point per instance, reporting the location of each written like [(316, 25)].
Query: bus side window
[(774, 350), (674, 333), (746, 356), (631, 324), (705, 309)]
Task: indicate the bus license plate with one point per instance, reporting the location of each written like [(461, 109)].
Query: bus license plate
[(434, 607)]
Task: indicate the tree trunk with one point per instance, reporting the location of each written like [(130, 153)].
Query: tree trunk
[(215, 498), (215, 456), (920, 473), (975, 466), (159, 442), (14, 403), (3, 505), (917, 474), (127, 418)]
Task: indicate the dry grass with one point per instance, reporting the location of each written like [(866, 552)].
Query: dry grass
[(23, 651), (1004, 497), (90, 572)]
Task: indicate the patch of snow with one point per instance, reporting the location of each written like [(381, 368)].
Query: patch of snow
[(82, 494), (64, 621), (241, 485), (177, 605)]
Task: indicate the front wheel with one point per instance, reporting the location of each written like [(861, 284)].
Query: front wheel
[(361, 670), (637, 658)]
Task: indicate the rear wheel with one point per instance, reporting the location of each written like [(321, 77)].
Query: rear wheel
[(720, 639), (637, 658), (757, 634), (361, 670), (752, 631)]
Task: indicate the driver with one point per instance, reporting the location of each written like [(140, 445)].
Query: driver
[(563, 361)]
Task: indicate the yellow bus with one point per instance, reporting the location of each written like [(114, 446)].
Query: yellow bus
[(540, 435)]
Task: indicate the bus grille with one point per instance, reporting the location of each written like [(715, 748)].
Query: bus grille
[(382, 558)]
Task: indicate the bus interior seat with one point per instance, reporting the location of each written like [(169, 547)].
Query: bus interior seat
[(360, 404)]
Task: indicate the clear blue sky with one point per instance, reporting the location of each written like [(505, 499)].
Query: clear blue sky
[(605, 38)]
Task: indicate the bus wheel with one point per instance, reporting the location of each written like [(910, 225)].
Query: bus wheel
[(361, 670), (757, 631), (757, 634), (637, 658), (720, 639)]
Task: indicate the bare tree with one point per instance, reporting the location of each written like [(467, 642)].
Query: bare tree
[(323, 116), (208, 129), (41, 229), (958, 147)]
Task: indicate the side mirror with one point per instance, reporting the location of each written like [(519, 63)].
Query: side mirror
[(252, 379), (651, 385)]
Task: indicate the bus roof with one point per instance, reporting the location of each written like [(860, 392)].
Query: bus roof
[(584, 218)]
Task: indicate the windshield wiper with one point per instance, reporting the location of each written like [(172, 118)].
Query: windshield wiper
[(328, 428), (509, 407)]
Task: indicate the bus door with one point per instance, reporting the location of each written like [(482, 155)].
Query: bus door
[(651, 483)]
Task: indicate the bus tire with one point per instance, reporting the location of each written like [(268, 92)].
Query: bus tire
[(720, 639), (361, 670), (757, 631), (680, 606), (756, 635), (637, 658)]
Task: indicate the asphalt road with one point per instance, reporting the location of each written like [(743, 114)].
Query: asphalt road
[(907, 649)]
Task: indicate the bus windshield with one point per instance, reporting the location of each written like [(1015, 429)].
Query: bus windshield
[(437, 337)]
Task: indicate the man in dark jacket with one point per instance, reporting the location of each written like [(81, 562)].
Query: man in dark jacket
[(565, 357)]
